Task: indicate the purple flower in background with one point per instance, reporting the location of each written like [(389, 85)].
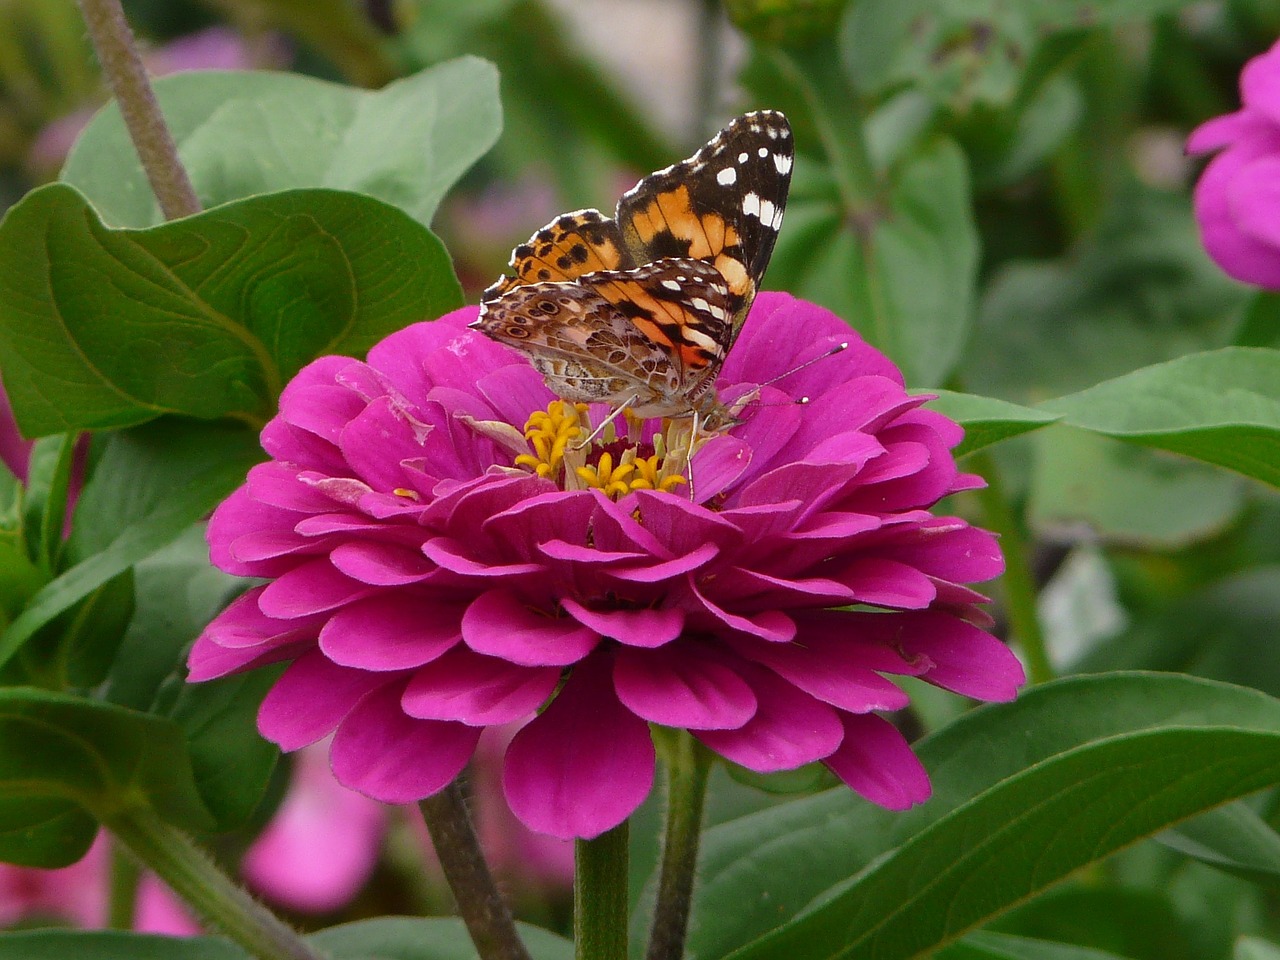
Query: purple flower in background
[(322, 844), (1237, 200), (443, 555)]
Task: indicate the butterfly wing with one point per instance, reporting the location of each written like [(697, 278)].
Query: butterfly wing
[(654, 334), (570, 246), (723, 205)]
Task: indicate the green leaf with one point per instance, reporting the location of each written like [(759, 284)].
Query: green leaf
[(1220, 406), (986, 420), (1232, 838), (203, 467), (177, 592), (241, 134), (985, 945), (231, 761), (1126, 494), (904, 278), (1126, 920), (967, 51), (206, 316), (1261, 324), (413, 938), (1024, 794), (103, 758), (1137, 289), (44, 832), (113, 945)]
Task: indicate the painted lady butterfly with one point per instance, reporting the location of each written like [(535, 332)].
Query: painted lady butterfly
[(640, 310)]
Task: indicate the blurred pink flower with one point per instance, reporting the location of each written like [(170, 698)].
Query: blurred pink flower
[(426, 586), (322, 844), (1237, 200), (77, 895)]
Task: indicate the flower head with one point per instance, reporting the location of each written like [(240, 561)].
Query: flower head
[(1237, 200), (437, 565)]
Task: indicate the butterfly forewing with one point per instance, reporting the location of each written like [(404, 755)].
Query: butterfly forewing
[(570, 246), (724, 204)]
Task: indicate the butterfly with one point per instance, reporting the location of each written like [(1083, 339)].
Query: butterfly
[(639, 311)]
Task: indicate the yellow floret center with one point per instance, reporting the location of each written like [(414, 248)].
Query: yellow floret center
[(556, 436)]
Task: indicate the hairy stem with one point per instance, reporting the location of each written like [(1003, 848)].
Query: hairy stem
[(121, 63), (688, 767), (600, 896), (194, 877), (483, 911), (1018, 581)]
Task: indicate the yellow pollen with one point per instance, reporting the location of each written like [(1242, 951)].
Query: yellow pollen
[(555, 455), (405, 492), (549, 433)]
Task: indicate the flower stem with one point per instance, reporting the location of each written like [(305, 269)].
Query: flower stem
[(1019, 583), (483, 910), (192, 875), (122, 891), (600, 896), (118, 55), (688, 767)]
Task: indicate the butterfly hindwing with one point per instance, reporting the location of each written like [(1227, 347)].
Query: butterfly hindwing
[(657, 329)]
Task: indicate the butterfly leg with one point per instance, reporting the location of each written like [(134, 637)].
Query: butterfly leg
[(613, 415)]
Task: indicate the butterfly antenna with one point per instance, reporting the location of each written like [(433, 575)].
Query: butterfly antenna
[(838, 348)]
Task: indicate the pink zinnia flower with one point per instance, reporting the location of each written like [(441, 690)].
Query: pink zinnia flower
[(1237, 200), (433, 571)]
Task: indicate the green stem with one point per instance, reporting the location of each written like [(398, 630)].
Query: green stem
[(483, 910), (600, 896), (120, 61), (195, 878), (122, 894), (1019, 584), (688, 768)]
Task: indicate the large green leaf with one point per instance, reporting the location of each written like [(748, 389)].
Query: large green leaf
[(44, 832), (1220, 406), (206, 316), (1001, 946), (113, 945), (102, 758), (417, 938), (1024, 794), (139, 513), (1232, 838), (986, 420), (241, 134), (1126, 494)]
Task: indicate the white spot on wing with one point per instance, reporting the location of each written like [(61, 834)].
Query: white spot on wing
[(782, 162), (742, 157), (751, 205), (727, 177), (671, 285), (762, 152)]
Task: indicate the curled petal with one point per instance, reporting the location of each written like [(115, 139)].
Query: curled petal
[(498, 624)]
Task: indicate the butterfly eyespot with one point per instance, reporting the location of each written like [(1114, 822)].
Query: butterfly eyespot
[(547, 307), (516, 332)]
